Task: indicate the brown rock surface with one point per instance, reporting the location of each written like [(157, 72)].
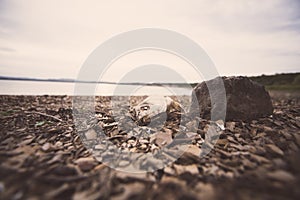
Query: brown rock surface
[(246, 100)]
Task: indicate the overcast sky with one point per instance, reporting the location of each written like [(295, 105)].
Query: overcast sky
[(51, 39)]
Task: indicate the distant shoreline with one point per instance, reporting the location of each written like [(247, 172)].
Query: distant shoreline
[(284, 81)]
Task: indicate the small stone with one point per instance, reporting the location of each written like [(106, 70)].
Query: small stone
[(154, 148), (268, 129), (193, 149), (124, 163), (279, 163), (222, 142), (161, 138), (169, 170), (26, 142), (253, 132), (56, 158), (135, 176), (229, 174), (143, 146), (91, 134), (259, 159), (297, 138), (286, 135), (281, 175), (2, 187), (191, 134), (47, 147), (230, 126), (64, 170), (248, 164), (53, 130), (99, 147), (192, 126), (259, 135), (18, 195), (58, 144), (205, 191), (86, 164), (180, 169), (132, 142), (274, 149), (144, 141), (220, 124), (134, 149), (174, 180), (68, 135), (293, 147), (130, 189)]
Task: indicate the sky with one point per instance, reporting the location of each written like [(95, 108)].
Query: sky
[(53, 38)]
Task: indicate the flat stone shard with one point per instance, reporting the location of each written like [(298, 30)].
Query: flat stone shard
[(246, 100)]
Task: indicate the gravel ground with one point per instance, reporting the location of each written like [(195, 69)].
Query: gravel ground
[(43, 157)]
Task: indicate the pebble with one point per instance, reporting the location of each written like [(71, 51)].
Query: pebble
[(144, 141), (268, 129), (259, 159), (279, 163), (274, 149), (281, 175), (169, 170), (143, 146), (161, 138), (191, 134), (193, 150), (26, 142), (99, 147), (297, 138), (192, 126), (58, 144), (286, 135), (222, 141), (248, 164), (180, 169), (293, 147), (56, 158), (2, 187), (230, 126), (91, 134), (124, 163), (205, 191), (129, 190), (47, 147), (173, 180), (220, 124), (86, 164)]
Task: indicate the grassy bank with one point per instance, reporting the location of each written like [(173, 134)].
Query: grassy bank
[(286, 82)]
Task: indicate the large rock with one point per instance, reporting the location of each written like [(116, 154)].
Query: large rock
[(246, 100)]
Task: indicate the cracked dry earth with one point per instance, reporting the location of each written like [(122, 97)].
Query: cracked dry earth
[(42, 156)]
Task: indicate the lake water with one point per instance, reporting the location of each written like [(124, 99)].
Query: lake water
[(60, 88)]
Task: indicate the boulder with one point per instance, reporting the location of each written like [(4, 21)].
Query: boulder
[(245, 99)]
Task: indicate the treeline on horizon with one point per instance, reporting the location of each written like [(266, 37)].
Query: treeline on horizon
[(285, 81)]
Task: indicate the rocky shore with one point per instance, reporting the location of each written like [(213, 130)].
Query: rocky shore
[(43, 157)]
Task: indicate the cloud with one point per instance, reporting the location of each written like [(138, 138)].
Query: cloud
[(242, 37)]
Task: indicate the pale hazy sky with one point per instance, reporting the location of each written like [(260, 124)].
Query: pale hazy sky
[(52, 38)]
